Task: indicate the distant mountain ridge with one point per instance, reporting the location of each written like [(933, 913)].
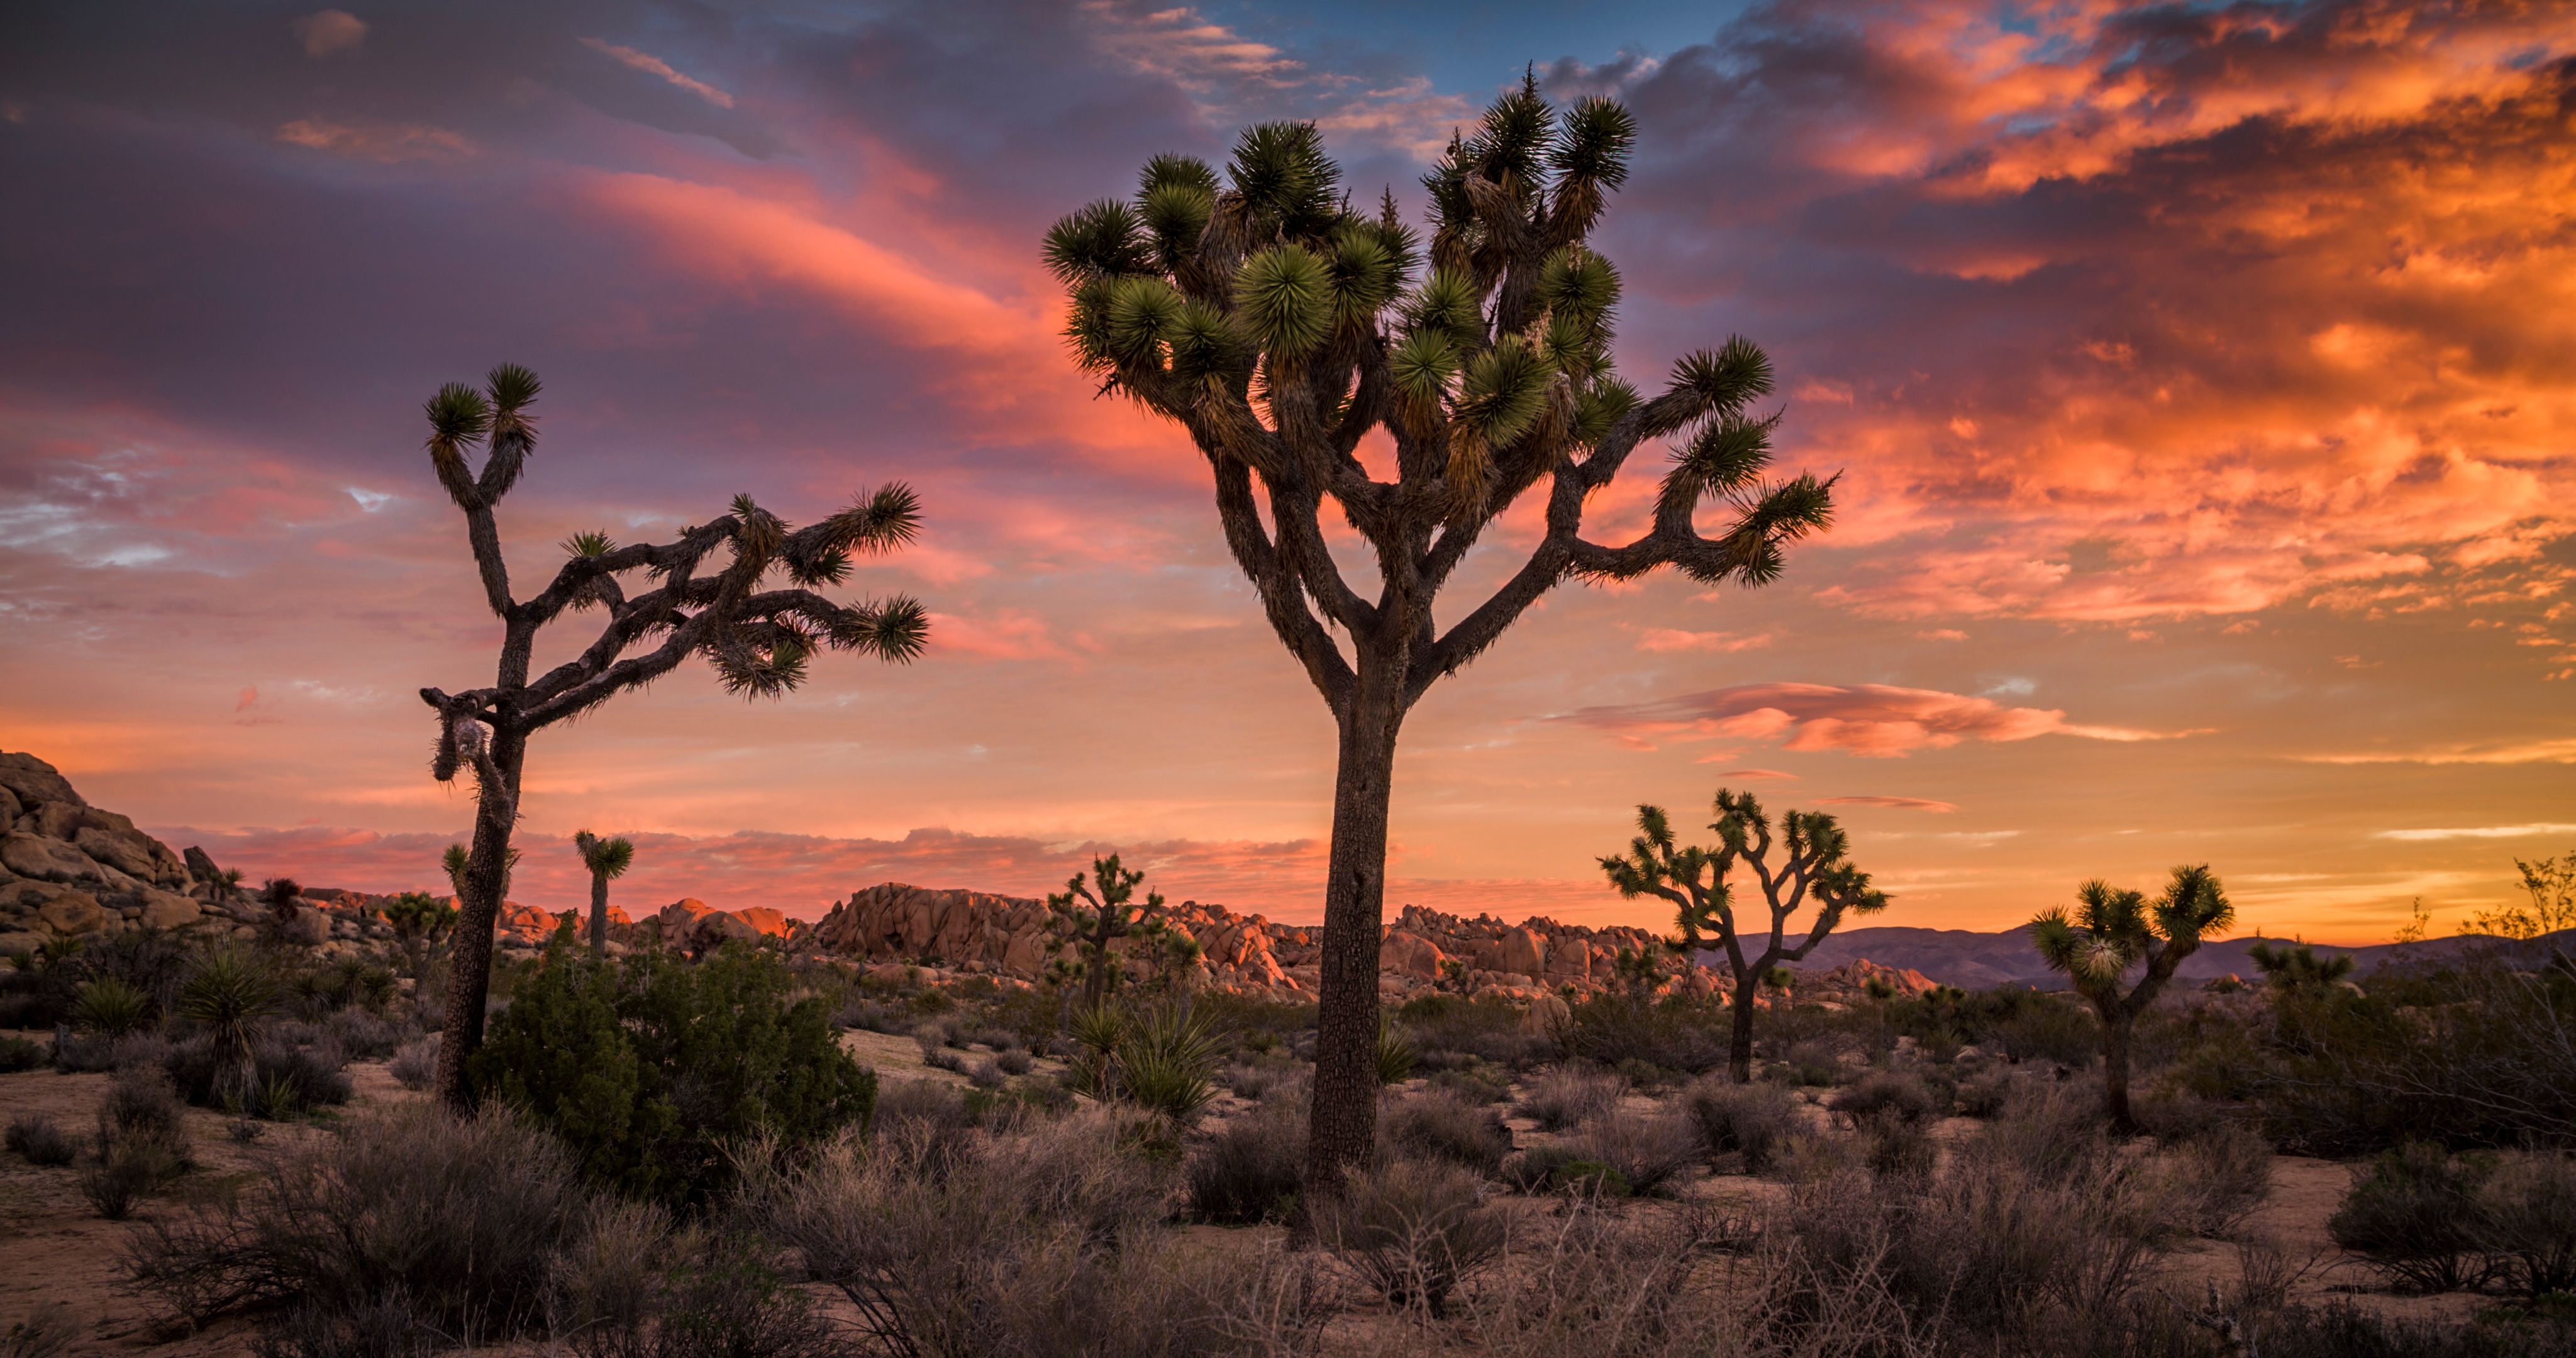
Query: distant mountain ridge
[(1974, 961)]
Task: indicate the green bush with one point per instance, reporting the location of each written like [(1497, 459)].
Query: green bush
[(2529, 1223), (18, 1053), (1676, 1033), (2051, 1031), (2419, 1216), (652, 1069)]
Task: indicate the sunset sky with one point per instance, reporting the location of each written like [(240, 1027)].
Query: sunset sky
[(2202, 379)]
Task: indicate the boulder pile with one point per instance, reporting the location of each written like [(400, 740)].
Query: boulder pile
[(979, 933)]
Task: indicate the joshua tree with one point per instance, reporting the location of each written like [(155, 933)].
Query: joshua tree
[(453, 862), (605, 858), (1816, 869), (2298, 968), (418, 920), (1092, 920), (1283, 330), (703, 595), (279, 894), (2114, 931)]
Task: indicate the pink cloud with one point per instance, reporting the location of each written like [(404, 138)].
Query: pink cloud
[(1671, 639), (1872, 720), (654, 66), (1004, 635)]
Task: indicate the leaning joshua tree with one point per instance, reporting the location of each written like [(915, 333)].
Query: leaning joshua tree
[(1092, 920), (1814, 868), (2113, 932), (702, 595), (603, 858), (1284, 331)]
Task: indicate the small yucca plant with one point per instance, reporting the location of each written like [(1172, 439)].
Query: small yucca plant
[(112, 1008)]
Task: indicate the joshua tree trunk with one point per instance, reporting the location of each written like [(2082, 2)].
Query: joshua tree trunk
[(598, 914), (1739, 1046), (1342, 1129), (486, 878), (2116, 1023)]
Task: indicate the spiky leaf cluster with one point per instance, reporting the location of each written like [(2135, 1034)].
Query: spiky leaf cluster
[(1280, 324), (1809, 863), (2112, 930)]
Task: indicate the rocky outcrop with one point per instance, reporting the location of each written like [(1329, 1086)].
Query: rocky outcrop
[(980, 933)]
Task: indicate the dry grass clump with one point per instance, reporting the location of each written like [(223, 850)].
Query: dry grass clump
[(454, 1222), (41, 1140), (1567, 1096), (415, 1064), (1648, 1152), (2225, 1172), (1412, 1230), (1592, 1279), (1752, 1121), (1251, 1168), (142, 1142), (1440, 1124), (1031, 1241)]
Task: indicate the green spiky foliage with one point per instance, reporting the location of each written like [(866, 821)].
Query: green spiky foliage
[(742, 591), (1470, 357), (2112, 934), (1092, 915), (603, 859), (2297, 967), (1807, 865), (112, 1007), (230, 994)]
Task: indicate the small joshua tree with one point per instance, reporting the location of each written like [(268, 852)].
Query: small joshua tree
[(279, 895), (419, 920), (703, 595), (604, 858), (2298, 968), (1093, 919), (2113, 932), (1815, 869), (1290, 335)]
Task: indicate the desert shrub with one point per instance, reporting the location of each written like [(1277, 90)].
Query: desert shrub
[(1885, 1098), (1648, 1151), (2226, 1171), (1898, 1148), (142, 1142), (1749, 1120), (1478, 1083), (2527, 1222), (2478, 1056), (281, 1080), (1676, 1033), (416, 1063), (1567, 1095), (1251, 1168), (1815, 1063), (1411, 1230), (18, 1053), (985, 1075), (41, 1139), (362, 1034), (724, 1298), (1249, 1080), (2048, 1130), (2054, 1031), (43, 1334), (1016, 1061), (1492, 1029), (1984, 1098), (84, 1053), (1591, 1279), (1036, 1241), (456, 1219), (2417, 1214), (1989, 1248), (390, 1326), (1440, 1125), (939, 1047), (652, 1071)]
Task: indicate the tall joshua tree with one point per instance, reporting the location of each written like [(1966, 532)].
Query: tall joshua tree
[(1092, 919), (1282, 330), (2113, 932), (703, 595), (604, 858), (1814, 867)]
